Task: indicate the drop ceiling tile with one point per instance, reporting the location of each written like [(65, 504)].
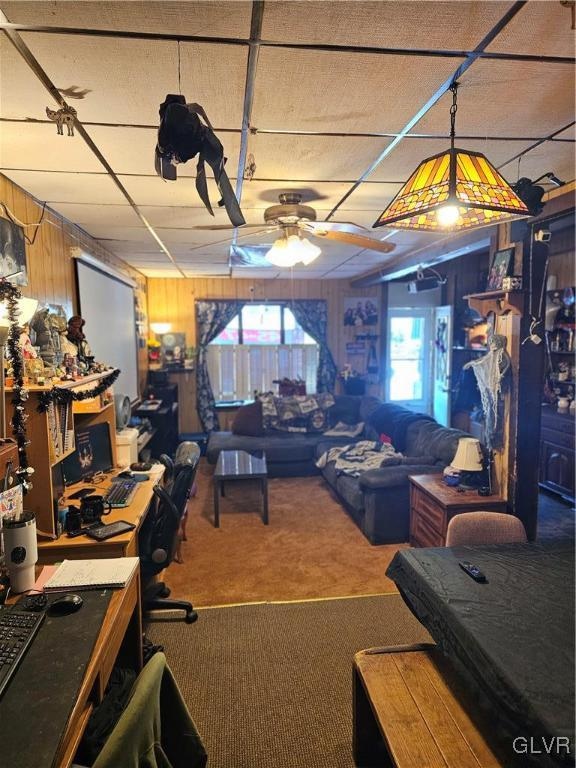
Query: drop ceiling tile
[(209, 19), (144, 71), (424, 25), (86, 214), (217, 270), (407, 154), (508, 98), (23, 96), (130, 247), (321, 196), (540, 29), (322, 158), (186, 216), (154, 191), (370, 195), (131, 150), (329, 91), (248, 273), (550, 156), (37, 146), (569, 133), (58, 188)]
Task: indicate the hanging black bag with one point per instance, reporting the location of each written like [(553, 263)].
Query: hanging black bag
[(181, 136)]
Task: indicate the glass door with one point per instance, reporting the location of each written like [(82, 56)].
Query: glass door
[(408, 380)]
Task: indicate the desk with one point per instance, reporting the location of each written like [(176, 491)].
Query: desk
[(120, 633), (125, 545)]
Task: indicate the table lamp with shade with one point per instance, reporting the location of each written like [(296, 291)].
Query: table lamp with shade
[(469, 461), (24, 313)]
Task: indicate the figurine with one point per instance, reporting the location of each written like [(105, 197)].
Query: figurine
[(74, 343), (25, 342)]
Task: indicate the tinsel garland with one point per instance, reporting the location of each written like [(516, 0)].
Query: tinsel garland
[(65, 396), (10, 294)]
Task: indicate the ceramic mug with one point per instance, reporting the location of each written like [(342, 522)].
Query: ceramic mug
[(93, 507)]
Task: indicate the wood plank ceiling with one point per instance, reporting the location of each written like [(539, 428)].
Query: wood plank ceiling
[(338, 100)]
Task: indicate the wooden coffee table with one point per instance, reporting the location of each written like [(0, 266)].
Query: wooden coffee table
[(240, 465)]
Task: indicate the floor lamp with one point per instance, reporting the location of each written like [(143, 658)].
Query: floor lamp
[(24, 313)]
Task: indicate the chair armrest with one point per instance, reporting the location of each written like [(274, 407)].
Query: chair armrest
[(391, 477)]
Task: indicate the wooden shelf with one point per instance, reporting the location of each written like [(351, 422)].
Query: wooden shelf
[(499, 302)]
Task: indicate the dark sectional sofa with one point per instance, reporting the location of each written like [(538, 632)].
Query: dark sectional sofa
[(378, 500)]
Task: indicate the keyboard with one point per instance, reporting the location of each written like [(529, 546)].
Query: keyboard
[(121, 492), (17, 630)]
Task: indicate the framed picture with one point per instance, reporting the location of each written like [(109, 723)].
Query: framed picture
[(359, 312), (502, 264), (12, 252)]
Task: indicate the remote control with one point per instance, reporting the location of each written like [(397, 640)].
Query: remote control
[(474, 572)]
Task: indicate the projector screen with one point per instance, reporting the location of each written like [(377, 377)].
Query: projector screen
[(107, 305)]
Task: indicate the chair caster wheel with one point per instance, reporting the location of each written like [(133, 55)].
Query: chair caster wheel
[(191, 617)]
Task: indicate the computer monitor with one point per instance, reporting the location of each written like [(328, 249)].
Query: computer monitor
[(93, 454)]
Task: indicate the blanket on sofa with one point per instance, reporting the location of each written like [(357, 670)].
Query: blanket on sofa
[(355, 459), (299, 413)]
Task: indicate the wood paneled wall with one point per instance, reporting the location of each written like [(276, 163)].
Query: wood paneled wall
[(172, 300), (49, 258)]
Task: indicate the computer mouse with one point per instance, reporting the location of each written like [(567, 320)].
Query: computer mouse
[(141, 466), (125, 473), (66, 604)]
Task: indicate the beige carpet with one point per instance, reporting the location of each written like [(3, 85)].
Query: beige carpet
[(310, 549), (270, 685)]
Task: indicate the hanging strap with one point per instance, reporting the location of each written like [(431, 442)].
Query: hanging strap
[(213, 154)]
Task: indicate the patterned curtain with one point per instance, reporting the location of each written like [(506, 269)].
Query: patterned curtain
[(312, 315), (211, 319)]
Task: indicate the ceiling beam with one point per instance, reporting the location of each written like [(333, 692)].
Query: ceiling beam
[(240, 41), (447, 248)]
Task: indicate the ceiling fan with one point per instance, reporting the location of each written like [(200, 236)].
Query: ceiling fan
[(295, 221)]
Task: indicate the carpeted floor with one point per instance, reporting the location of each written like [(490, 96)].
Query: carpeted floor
[(310, 549), (270, 685)]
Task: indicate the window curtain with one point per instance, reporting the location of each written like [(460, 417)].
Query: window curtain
[(211, 319), (312, 315)]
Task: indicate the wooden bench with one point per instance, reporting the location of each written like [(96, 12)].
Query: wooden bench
[(409, 712)]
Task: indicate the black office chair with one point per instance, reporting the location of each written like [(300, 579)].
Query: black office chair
[(159, 537)]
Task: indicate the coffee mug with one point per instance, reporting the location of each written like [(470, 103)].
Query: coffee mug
[(93, 507), (73, 521)]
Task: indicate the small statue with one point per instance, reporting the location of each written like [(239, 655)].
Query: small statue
[(25, 342), (75, 343), (65, 115)]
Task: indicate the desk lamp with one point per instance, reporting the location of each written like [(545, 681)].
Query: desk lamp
[(469, 462), (25, 312)]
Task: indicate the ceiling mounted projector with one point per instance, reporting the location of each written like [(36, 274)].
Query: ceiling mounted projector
[(423, 283)]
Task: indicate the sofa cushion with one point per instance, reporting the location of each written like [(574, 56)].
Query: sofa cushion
[(346, 408), (349, 488), (248, 420), (439, 443), (281, 447)]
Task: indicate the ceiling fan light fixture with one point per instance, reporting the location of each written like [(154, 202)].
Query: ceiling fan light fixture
[(456, 189), (289, 251)]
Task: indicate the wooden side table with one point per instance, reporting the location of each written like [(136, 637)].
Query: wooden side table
[(433, 504)]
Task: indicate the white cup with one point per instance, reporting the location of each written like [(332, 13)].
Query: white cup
[(20, 550)]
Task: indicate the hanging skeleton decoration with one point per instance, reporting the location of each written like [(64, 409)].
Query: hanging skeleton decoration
[(490, 370), (64, 116), (181, 136)]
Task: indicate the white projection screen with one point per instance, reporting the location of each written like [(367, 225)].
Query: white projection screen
[(107, 305)]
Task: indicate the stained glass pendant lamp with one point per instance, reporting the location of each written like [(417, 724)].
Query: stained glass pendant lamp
[(454, 190)]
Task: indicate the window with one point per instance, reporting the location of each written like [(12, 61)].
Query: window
[(409, 358), (263, 343)]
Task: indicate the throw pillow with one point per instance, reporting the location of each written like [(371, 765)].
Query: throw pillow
[(345, 430), (248, 420)]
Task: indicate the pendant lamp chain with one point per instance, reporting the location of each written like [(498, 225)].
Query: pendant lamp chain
[(453, 110)]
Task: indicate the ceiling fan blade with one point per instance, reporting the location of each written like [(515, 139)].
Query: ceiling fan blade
[(350, 237), (217, 227), (249, 256)]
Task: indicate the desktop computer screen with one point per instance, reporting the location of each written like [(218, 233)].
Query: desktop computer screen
[(93, 454)]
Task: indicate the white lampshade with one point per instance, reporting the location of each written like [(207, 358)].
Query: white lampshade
[(289, 251), (25, 312), (468, 456), (160, 328)]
